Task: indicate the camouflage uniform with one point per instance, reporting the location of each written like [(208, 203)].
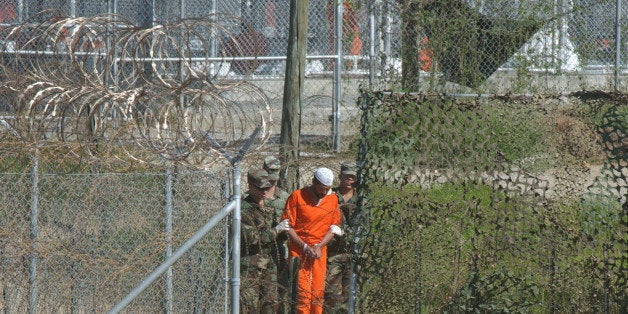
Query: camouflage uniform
[(272, 165), (338, 257), (258, 270)]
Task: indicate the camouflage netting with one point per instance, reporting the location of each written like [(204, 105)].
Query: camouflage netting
[(505, 203)]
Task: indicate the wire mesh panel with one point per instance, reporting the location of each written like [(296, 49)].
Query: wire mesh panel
[(99, 235), (593, 30), (491, 46), (568, 35), (201, 277), (510, 45), (15, 241)]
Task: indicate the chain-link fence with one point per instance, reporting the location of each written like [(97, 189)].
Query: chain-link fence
[(143, 81), (81, 242), (486, 46), (497, 46)]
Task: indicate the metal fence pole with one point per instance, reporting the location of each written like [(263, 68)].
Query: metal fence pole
[(386, 37), (353, 279), (112, 8), (168, 222), (371, 42), (73, 8), (227, 195), (213, 46), (169, 287), (235, 275), (34, 230), (337, 92), (617, 42), (20, 11)]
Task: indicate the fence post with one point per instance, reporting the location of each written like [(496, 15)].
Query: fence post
[(617, 43), (235, 260), (337, 92), (213, 45), (34, 230), (371, 42), (227, 195), (353, 279), (73, 8), (168, 222)]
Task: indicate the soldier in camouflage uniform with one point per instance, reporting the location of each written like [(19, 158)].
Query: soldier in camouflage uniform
[(277, 201), (258, 268), (338, 249)]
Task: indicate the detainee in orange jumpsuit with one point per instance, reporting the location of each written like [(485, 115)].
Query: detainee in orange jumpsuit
[(313, 216)]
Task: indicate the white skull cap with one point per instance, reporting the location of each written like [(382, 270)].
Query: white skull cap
[(324, 176)]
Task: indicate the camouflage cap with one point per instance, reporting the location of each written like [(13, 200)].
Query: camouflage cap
[(272, 164), (348, 169), (273, 175), (258, 178)]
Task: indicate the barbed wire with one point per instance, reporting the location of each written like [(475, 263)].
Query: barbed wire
[(103, 83)]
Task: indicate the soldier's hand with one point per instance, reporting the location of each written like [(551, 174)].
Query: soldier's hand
[(282, 226)]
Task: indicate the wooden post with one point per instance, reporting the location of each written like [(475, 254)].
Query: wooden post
[(292, 94)]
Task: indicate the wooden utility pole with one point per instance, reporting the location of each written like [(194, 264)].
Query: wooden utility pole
[(292, 94)]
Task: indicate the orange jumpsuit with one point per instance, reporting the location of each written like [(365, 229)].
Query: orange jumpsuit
[(311, 222)]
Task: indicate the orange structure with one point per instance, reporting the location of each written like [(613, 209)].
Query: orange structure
[(425, 55)]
